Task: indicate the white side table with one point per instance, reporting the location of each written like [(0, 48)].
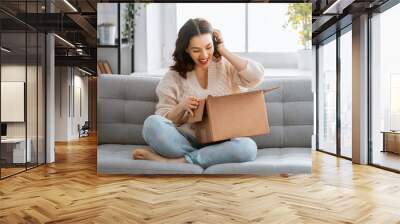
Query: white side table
[(18, 149)]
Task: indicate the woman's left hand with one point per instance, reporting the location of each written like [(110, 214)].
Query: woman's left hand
[(218, 38)]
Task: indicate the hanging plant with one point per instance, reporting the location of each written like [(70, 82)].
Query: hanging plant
[(131, 11)]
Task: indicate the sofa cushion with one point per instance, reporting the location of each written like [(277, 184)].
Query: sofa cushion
[(125, 101), (269, 161), (117, 159), (290, 113)]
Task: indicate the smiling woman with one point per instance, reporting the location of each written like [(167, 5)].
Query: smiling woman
[(194, 46), (203, 67), (179, 63)]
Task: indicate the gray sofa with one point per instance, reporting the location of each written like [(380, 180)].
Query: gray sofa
[(124, 102)]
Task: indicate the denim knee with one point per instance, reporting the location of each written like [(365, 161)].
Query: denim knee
[(245, 149), (161, 134), (152, 125)]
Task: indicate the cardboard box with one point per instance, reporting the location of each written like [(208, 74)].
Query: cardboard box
[(226, 117)]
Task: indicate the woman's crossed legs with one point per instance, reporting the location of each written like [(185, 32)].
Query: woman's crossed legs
[(169, 145)]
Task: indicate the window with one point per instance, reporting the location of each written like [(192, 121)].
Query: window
[(346, 94), (327, 97), (394, 102), (385, 84), (231, 22), (266, 31), (264, 27), (334, 106)]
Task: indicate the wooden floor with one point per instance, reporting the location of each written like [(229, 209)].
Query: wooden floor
[(5, 172), (70, 191), (387, 159)]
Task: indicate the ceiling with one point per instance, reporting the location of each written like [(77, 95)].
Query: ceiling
[(74, 22), (328, 16), (77, 23)]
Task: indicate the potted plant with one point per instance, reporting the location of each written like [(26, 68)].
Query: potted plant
[(107, 33), (299, 19)]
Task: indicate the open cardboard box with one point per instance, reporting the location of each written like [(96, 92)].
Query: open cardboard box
[(236, 115)]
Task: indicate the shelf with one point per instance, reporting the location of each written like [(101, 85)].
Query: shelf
[(115, 45), (107, 46)]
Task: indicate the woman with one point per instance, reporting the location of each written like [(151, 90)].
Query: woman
[(203, 66)]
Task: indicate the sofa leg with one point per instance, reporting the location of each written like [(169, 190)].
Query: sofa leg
[(286, 175)]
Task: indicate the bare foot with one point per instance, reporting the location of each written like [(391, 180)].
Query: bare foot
[(285, 175), (148, 154)]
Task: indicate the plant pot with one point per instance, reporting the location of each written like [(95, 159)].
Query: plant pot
[(304, 59), (107, 34)]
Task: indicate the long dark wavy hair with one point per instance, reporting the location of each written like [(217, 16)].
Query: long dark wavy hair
[(193, 27)]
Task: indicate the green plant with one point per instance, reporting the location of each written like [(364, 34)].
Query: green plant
[(106, 24), (299, 18), (132, 9)]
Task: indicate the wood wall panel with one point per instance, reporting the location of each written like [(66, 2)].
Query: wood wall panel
[(93, 103)]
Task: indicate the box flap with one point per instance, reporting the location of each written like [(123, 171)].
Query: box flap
[(198, 113)]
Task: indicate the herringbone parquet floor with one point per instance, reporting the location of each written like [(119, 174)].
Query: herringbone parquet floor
[(70, 191)]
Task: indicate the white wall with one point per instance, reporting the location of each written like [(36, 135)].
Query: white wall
[(17, 73), (33, 126), (140, 40), (62, 81), (168, 13), (80, 82), (126, 60), (154, 36), (13, 73), (68, 81), (149, 34)]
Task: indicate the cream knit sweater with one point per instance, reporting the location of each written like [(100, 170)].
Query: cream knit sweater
[(223, 79)]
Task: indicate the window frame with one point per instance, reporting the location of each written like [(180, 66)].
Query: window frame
[(334, 37), (371, 14), (246, 28)]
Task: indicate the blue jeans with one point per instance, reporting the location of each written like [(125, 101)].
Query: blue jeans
[(164, 138)]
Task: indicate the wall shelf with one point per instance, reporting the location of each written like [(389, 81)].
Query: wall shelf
[(107, 46), (117, 44), (120, 55)]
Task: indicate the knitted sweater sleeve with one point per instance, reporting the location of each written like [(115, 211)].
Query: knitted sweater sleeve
[(167, 92), (249, 77)]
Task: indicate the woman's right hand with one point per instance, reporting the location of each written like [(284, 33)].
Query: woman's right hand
[(189, 104)]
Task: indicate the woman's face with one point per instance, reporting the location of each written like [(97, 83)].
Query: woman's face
[(201, 49)]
